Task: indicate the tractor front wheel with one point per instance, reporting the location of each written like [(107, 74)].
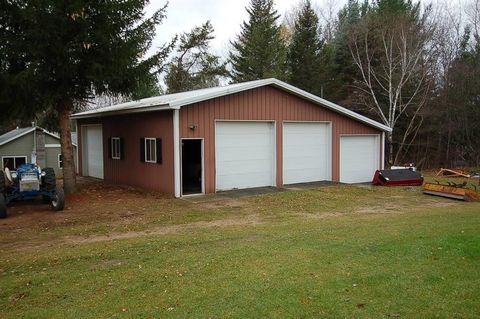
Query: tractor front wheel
[(3, 207), (58, 200)]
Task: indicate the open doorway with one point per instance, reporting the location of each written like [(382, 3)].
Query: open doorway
[(192, 170)]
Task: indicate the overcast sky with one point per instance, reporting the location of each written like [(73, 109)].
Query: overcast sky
[(227, 16)]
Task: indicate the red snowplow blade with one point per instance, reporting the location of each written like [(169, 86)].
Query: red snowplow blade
[(397, 177)]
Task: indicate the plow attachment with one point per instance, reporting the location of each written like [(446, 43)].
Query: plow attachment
[(454, 191)]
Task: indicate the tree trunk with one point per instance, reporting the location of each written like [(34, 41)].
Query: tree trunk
[(69, 173), (390, 148)]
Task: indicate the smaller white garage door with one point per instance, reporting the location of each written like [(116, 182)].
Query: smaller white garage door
[(307, 153), (93, 146), (244, 155), (359, 158)]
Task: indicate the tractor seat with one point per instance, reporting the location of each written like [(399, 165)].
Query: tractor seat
[(8, 176)]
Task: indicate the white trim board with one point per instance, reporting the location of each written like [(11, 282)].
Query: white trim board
[(176, 154)]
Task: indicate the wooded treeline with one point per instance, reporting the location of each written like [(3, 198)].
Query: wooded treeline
[(412, 66), (409, 65)]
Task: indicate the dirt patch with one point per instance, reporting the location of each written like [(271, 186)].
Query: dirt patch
[(380, 210), (228, 202), (94, 202), (163, 230), (321, 215)]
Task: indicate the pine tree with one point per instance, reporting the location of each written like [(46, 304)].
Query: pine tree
[(57, 54), (338, 63), (194, 66), (259, 51), (303, 57)]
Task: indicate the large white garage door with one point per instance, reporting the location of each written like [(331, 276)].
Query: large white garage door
[(244, 155), (306, 152), (359, 158), (93, 146)]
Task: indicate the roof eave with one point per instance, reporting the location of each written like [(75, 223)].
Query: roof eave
[(86, 115), (291, 89), (175, 105), (330, 105)]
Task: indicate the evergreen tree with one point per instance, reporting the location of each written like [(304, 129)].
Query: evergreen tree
[(194, 67), (303, 57), (56, 54), (259, 51), (337, 63)]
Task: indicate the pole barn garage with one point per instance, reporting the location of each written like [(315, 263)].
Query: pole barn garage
[(253, 134)]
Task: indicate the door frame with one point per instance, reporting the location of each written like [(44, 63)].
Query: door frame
[(84, 143), (378, 139), (330, 146), (275, 145), (202, 141)]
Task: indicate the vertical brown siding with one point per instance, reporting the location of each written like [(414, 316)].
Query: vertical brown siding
[(131, 171), (268, 104)]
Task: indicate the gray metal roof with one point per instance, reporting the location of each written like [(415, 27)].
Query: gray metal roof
[(177, 100), (14, 134), (19, 132)]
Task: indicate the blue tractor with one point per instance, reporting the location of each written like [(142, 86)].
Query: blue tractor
[(29, 182)]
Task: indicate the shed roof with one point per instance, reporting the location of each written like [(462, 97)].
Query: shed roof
[(14, 134), (19, 132), (177, 100)]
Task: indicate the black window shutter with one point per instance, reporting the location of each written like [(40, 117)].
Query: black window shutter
[(109, 148), (122, 148), (159, 150), (142, 150)]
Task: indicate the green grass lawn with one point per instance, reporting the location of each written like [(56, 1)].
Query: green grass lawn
[(335, 252)]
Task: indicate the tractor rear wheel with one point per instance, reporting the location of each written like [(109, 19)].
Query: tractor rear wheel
[(58, 200), (3, 207), (49, 183), (2, 183)]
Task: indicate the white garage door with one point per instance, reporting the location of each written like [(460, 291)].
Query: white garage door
[(306, 152), (244, 155), (94, 151), (359, 158)]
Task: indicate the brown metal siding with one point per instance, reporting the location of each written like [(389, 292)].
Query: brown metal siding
[(266, 103), (131, 171)]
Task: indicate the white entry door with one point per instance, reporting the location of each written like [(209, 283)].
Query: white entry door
[(93, 146), (359, 158), (307, 154), (244, 155)]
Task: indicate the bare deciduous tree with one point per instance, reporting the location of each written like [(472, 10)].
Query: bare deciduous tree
[(395, 73), (473, 13)]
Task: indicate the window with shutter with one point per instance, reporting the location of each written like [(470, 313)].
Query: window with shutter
[(115, 148), (150, 150)]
